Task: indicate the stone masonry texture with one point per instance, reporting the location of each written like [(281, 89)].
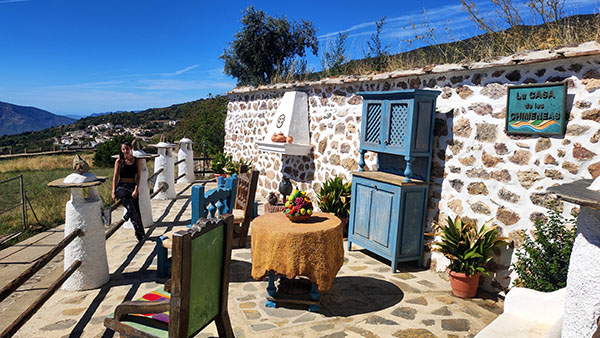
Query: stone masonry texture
[(486, 173)]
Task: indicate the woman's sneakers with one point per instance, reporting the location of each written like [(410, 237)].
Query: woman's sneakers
[(126, 216)]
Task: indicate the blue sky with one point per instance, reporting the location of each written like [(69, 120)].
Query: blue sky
[(81, 57)]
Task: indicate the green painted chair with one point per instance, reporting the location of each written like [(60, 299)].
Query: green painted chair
[(197, 292)]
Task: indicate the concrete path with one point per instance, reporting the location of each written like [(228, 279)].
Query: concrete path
[(366, 300)]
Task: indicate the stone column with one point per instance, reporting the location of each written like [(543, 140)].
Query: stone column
[(186, 167), (90, 248), (143, 191), (165, 161), (582, 301)]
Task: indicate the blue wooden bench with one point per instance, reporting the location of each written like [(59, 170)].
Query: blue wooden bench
[(219, 201), (201, 257)]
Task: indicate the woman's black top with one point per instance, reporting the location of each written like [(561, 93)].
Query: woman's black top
[(128, 170)]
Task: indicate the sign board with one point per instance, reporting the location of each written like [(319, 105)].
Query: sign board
[(536, 109)]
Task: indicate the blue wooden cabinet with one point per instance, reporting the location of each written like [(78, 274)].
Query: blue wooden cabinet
[(387, 213)]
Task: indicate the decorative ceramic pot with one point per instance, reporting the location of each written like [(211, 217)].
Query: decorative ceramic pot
[(272, 198), (463, 286), (285, 186)]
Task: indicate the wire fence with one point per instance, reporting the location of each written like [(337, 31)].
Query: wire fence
[(13, 208)]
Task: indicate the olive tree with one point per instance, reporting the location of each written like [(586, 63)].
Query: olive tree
[(267, 47)]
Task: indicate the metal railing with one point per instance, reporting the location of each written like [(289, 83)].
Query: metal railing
[(204, 164)]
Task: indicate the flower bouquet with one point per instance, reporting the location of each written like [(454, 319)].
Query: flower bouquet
[(298, 207)]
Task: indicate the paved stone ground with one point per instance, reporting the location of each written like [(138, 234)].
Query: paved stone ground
[(366, 300)]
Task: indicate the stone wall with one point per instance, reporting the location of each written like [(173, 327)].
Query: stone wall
[(478, 171)]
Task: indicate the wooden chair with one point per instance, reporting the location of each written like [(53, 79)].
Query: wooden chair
[(219, 201), (245, 207), (198, 289)]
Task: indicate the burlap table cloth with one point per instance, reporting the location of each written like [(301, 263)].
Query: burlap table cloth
[(313, 249)]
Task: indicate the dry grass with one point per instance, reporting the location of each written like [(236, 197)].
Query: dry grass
[(41, 162), (48, 203), (494, 42)]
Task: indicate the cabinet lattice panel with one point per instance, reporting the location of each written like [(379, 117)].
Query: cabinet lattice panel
[(398, 125), (373, 123)]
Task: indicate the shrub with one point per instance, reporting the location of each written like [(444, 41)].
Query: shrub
[(543, 261)]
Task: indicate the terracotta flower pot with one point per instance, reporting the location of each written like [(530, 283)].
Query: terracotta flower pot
[(220, 175), (464, 286)]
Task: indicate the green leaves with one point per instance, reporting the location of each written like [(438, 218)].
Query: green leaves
[(266, 47), (543, 261), (469, 248), (335, 197)]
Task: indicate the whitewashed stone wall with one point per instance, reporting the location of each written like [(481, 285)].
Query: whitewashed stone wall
[(478, 171)]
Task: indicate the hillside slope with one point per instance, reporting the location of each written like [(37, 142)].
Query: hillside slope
[(16, 119)]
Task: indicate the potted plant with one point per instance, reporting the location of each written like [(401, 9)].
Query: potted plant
[(334, 197), (469, 248), (237, 167), (219, 163)]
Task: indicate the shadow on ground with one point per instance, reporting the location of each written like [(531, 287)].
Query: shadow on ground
[(353, 295)]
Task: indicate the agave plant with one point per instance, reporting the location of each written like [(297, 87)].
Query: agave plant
[(468, 247), (219, 163), (237, 167), (334, 197)]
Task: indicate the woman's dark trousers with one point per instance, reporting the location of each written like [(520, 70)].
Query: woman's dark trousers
[(123, 192)]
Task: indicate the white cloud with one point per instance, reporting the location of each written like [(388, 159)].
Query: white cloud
[(186, 69)]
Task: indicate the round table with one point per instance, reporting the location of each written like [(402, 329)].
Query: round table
[(312, 249)]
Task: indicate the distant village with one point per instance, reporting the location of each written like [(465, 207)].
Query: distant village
[(93, 135)]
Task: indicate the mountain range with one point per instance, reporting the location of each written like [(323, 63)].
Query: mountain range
[(16, 119)]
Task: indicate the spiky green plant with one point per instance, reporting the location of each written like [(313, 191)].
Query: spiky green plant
[(219, 163), (334, 197), (468, 247)]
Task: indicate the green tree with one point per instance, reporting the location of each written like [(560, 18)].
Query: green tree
[(204, 124), (105, 151), (268, 47), (334, 57)]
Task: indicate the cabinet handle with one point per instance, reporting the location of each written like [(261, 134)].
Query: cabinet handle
[(374, 187)]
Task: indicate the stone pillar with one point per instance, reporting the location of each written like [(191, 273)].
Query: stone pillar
[(186, 167), (165, 161), (143, 191), (582, 301), (90, 248)]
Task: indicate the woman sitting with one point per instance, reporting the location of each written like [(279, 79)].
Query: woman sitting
[(126, 180)]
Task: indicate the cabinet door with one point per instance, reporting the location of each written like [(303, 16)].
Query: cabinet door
[(382, 206), (397, 126), (361, 194), (412, 223), (373, 112), (423, 120)]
